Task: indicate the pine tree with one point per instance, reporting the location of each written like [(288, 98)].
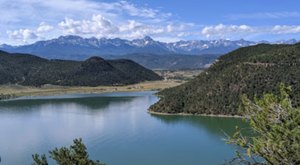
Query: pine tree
[(276, 125), (76, 154)]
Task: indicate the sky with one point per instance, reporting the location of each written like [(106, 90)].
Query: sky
[(27, 21)]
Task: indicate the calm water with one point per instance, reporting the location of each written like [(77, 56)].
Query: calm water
[(116, 129)]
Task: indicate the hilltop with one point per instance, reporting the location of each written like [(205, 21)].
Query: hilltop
[(30, 70)]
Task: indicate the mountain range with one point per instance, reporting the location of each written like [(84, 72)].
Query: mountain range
[(30, 70), (252, 71), (77, 48)]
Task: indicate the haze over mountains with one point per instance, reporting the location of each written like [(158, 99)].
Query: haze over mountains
[(143, 51)]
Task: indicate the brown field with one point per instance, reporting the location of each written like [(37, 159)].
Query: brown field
[(171, 78), (17, 90), (178, 74)]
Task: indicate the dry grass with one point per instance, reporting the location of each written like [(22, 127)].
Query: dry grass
[(179, 74), (172, 78), (54, 90)]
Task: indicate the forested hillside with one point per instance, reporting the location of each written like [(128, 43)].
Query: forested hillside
[(35, 71), (251, 70)]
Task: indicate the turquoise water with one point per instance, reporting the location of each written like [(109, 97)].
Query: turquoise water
[(116, 129)]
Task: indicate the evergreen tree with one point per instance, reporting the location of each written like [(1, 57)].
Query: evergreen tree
[(76, 154), (276, 125)]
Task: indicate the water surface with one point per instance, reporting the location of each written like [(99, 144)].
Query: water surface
[(115, 127)]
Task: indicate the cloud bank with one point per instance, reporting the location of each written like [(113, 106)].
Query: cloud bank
[(27, 21)]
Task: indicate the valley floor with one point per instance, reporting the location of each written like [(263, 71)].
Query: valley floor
[(18, 91)]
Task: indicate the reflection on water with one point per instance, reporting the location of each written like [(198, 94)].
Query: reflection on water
[(214, 125), (89, 103), (115, 127)]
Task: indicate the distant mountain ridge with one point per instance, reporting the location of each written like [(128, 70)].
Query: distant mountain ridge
[(30, 70), (78, 48), (170, 61)]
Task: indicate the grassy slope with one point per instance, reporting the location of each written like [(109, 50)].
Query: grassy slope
[(17, 90)]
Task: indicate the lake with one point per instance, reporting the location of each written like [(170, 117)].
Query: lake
[(116, 129)]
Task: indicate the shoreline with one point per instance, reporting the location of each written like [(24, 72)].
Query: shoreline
[(188, 114), (48, 90)]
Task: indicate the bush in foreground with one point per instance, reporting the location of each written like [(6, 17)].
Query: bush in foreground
[(76, 154), (276, 125)]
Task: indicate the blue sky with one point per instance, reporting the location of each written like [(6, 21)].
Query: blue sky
[(250, 12), (27, 21)]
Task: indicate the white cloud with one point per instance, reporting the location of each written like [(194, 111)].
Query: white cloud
[(265, 15), (24, 35), (224, 31), (133, 29), (135, 11), (284, 29), (245, 31), (97, 26), (54, 9), (99, 19), (131, 25), (44, 27), (100, 26), (24, 22), (28, 35)]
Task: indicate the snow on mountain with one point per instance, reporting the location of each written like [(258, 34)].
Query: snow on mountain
[(75, 47)]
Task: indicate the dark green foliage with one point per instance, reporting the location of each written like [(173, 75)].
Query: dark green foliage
[(76, 154), (34, 71), (251, 70), (39, 161), (276, 124)]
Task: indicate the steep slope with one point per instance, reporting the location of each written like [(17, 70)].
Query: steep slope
[(251, 70), (14, 68), (35, 71)]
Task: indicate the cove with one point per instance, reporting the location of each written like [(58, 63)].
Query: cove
[(116, 129)]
